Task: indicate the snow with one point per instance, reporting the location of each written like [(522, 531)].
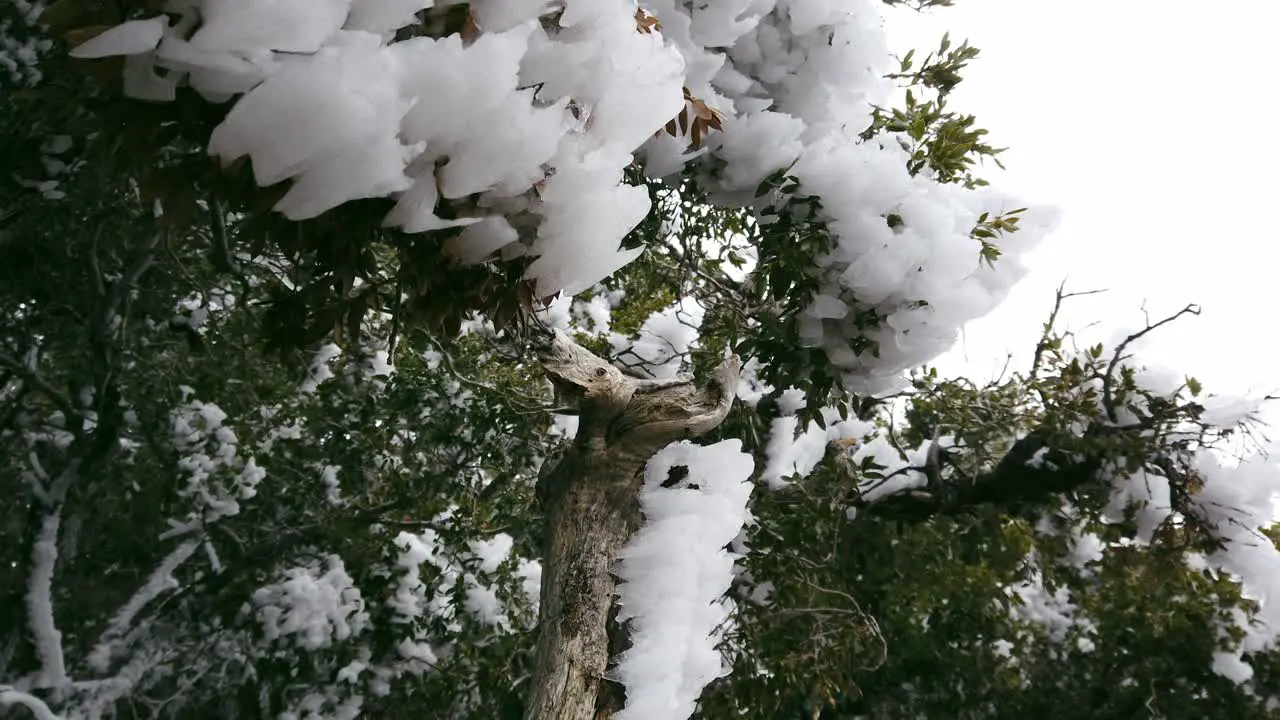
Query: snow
[(790, 452), (660, 349), (415, 209), (380, 16), (20, 53), (319, 369), (530, 574), (410, 596), (750, 388), (1053, 612), (373, 171), (481, 239), (1232, 667), (1237, 501), (216, 476), (39, 709), (130, 38), (417, 651), (666, 337), (332, 484), (160, 580), (793, 451), (762, 143), (1086, 549), (347, 86), (502, 15), (545, 118), (675, 572), (216, 75), (296, 26), (482, 601), (492, 552), (44, 631), (1150, 493), (325, 706), (316, 604), (142, 82), (580, 207)]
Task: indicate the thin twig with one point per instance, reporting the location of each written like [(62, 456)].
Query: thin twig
[(1108, 401), (522, 404), (1043, 344)]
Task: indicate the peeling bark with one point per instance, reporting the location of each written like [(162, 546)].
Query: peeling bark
[(591, 505)]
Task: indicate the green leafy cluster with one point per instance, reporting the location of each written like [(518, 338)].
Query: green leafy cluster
[(940, 140)]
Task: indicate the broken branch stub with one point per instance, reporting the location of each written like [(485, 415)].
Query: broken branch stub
[(591, 508)]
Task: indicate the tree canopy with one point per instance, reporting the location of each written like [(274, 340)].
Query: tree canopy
[(278, 431)]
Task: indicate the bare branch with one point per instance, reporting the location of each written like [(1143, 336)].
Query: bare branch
[(1108, 390), (1059, 295)]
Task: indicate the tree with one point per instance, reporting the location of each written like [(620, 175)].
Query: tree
[(283, 443)]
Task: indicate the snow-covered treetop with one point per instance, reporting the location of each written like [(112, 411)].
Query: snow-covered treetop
[(514, 128)]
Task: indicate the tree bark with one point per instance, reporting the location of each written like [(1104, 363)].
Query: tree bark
[(591, 508)]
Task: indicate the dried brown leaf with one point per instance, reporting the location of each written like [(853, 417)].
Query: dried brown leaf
[(646, 23), (470, 30)]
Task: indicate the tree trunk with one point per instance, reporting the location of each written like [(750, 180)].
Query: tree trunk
[(592, 509), (591, 505)]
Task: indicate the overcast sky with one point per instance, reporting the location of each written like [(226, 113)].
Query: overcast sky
[(1151, 124)]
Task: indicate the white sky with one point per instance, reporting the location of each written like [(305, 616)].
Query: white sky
[(1150, 124)]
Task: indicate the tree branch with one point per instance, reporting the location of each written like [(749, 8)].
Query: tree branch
[(39, 710), (524, 405), (1012, 484), (1043, 344), (1108, 391), (33, 378), (221, 257), (44, 631)]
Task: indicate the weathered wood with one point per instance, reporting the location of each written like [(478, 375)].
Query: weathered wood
[(591, 506)]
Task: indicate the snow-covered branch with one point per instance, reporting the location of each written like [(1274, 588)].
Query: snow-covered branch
[(44, 629), (161, 579), (39, 709)]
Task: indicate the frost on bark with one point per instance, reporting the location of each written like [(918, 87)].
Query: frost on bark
[(591, 506)]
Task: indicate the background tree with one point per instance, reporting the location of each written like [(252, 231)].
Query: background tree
[(274, 448)]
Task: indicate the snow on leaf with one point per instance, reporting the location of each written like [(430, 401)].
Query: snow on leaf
[(315, 605)]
